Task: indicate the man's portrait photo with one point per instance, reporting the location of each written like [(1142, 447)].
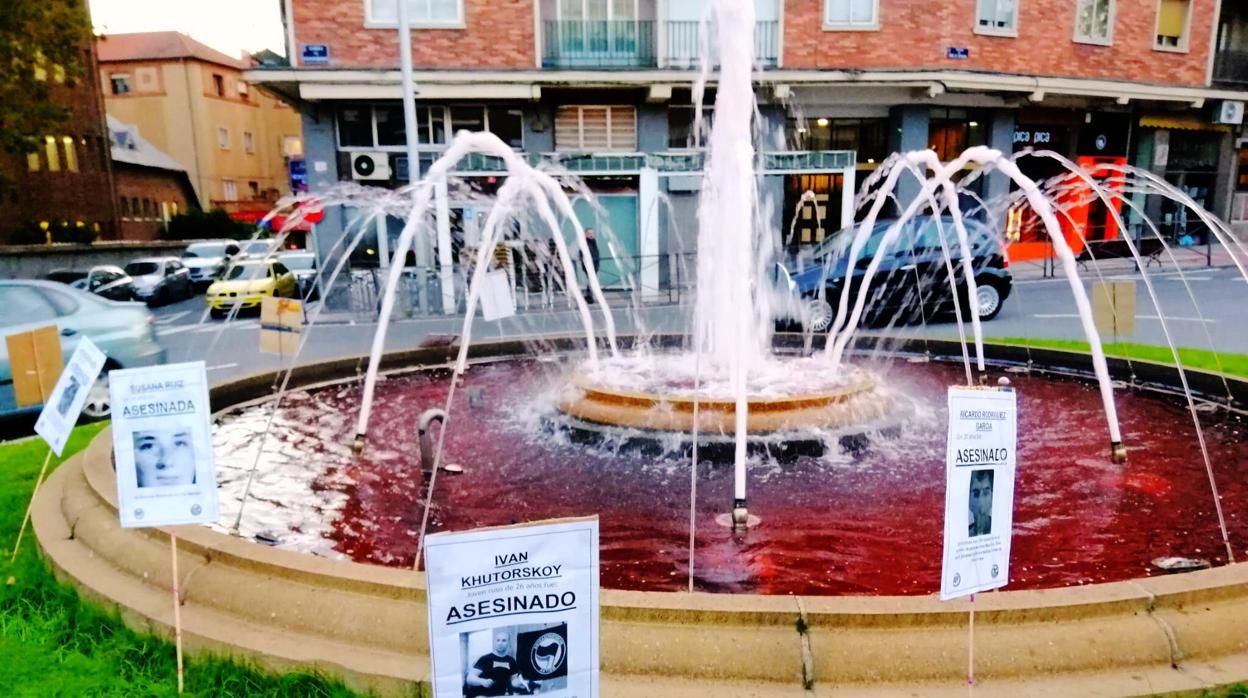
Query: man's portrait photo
[(520, 660), (164, 457), (980, 503)]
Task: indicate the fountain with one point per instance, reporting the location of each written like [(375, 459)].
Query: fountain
[(839, 438)]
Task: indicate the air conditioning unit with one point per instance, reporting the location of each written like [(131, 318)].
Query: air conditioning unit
[(370, 166), (1230, 113)]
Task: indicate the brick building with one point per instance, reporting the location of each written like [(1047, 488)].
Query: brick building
[(192, 102), (68, 181), (151, 186), (841, 84)]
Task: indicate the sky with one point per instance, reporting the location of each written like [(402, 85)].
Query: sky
[(230, 26)]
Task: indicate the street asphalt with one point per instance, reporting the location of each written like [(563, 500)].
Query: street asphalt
[(1202, 307)]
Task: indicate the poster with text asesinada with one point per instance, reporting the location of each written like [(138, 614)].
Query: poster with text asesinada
[(979, 490), (162, 445), (514, 610)]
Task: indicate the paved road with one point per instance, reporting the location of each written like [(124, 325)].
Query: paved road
[(1038, 308)]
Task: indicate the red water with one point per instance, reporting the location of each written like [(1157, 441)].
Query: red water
[(870, 524)]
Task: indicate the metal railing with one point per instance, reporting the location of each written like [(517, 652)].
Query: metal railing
[(579, 43), (683, 46), (1231, 67)]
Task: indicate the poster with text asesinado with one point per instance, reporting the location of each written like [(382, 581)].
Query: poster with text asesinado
[(514, 610), (979, 490), (162, 445)]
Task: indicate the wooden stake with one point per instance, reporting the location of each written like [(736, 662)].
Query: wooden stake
[(970, 643), (26, 519), (177, 607)]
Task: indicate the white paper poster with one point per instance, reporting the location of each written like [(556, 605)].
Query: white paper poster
[(979, 490), (162, 445), (514, 610), (496, 299), (60, 412)]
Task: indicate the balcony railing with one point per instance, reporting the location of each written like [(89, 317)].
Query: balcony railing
[(684, 44), (598, 44), (1231, 67)]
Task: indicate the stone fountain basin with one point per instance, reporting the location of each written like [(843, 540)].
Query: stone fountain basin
[(367, 624)]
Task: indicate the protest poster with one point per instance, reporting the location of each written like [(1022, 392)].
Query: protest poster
[(497, 301), (281, 322), (514, 610), (35, 359), (162, 445), (979, 490), (60, 412)]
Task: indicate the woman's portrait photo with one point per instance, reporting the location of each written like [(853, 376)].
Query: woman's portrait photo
[(164, 457)]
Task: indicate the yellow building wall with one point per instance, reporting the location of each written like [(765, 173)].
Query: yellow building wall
[(181, 113)]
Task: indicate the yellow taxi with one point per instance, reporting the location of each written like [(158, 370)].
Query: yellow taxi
[(247, 282)]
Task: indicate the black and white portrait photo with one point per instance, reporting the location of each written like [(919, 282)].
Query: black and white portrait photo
[(164, 457), (980, 503), (515, 660)]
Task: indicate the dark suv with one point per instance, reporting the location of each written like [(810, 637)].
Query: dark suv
[(912, 282)]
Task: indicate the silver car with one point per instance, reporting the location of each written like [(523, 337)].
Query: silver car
[(160, 280), (207, 260), (123, 331)]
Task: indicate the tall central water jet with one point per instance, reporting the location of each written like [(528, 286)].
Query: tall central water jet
[(728, 330)]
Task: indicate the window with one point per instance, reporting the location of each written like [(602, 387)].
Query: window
[(53, 154), (22, 305), (997, 17), (243, 90), (71, 153), (249, 142), (390, 128), (147, 208), (254, 188), (355, 127), (125, 208), (41, 72), (596, 128), (419, 12), (952, 131), (680, 126), (223, 138), (148, 79), (467, 119), (135, 211), (507, 124), (1094, 22), (292, 146), (867, 137), (120, 83), (229, 189), (32, 161), (218, 84), (851, 14), (1172, 17)]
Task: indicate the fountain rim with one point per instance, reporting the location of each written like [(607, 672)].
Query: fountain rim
[(75, 521)]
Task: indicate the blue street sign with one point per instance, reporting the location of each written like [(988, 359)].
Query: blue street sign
[(957, 53), (298, 175), (315, 54)]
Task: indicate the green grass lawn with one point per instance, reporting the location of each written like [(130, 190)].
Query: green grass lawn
[(54, 644), (1203, 359)]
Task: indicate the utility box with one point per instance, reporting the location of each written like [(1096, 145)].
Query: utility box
[(1113, 308)]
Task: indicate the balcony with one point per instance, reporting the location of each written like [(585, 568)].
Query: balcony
[(1230, 67), (683, 44), (598, 44)]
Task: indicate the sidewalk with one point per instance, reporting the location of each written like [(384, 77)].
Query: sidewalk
[(1187, 258)]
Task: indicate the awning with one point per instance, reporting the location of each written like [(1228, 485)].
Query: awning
[(1182, 123)]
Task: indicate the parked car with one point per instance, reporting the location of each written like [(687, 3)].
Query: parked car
[(912, 281), (258, 249), (303, 265), (160, 280), (206, 260), (123, 331), (105, 280), (246, 284)]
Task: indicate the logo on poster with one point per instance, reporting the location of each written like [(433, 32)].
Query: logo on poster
[(995, 570), (548, 653), (957, 579), (138, 513), (196, 510)]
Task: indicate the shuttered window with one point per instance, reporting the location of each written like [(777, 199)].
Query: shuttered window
[(596, 128), (1172, 23)]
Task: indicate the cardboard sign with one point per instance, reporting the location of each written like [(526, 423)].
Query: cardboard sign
[(162, 445), (36, 360), (514, 610), (281, 323), (979, 490), (60, 412), (1113, 308), (496, 299)]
